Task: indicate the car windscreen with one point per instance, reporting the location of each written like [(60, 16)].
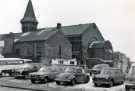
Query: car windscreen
[(106, 72), (70, 70), (73, 70), (48, 69), (100, 66)]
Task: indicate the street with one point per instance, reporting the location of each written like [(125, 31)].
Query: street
[(86, 87), (11, 89)]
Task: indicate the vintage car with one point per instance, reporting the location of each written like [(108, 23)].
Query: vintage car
[(72, 75), (130, 79), (109, 76), (9, 65), (46, 74), (23, 72), (97, 68)]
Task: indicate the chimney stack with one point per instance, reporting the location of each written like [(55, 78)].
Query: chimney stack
[(58, 25)]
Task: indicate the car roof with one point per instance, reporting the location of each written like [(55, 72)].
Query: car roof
[(111, 68), (100, 66), (75, 67)]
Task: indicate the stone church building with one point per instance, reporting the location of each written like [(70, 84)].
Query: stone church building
[(83, 41)]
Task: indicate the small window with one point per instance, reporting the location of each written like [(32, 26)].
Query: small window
[(61, 62), (72, 62), (73, 56)]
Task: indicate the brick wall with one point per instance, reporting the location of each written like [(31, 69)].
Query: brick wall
[(92, 34), (58, 46)]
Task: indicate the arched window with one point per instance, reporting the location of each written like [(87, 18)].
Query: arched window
[(91, 41)]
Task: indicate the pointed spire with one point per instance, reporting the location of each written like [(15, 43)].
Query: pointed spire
[(29, 21), (29, 13)]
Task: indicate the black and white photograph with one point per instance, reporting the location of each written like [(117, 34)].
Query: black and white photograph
[(67, 45)]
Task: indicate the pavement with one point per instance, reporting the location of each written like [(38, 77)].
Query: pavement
[(52, 86)]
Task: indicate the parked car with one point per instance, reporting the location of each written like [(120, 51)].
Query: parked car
[(109, 76), (72, 75), (97, 68), (23, 72), (9, 65), (130, 79), (46, 74)]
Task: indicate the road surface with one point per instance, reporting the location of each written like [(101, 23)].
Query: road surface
[(82, 87), (11, 89)]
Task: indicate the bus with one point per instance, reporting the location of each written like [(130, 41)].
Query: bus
[(9, 65)]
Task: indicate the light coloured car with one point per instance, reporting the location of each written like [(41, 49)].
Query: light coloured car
[(23, 72), (109, 76), (130, 79), (97, 68), (46, 74)]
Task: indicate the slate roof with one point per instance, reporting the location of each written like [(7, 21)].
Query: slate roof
[(29, 13), (45, 33), (75, 29), (33, 36), (16, 35)]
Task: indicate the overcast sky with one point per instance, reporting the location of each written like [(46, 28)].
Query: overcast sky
[(114, 18)]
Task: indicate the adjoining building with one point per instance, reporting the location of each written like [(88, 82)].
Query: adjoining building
[(81, 41), (120, 60), (100, 52)]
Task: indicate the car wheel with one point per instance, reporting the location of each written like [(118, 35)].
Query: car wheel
[(3, 74), (33, 81), (87, 79), (111, 83), (45, 80), (57, 82), (121, 82), (96, 85), (73, 82)]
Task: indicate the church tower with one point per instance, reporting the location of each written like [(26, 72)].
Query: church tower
[(29, 21)]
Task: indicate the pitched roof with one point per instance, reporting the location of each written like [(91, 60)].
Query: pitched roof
[(29, 13), (16, 35), (45, 33), (74, 29), (33, 36)]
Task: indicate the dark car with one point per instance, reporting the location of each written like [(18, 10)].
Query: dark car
[(23, 72), (109, 76), (72, 75), (46, 74), (130, 79)]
